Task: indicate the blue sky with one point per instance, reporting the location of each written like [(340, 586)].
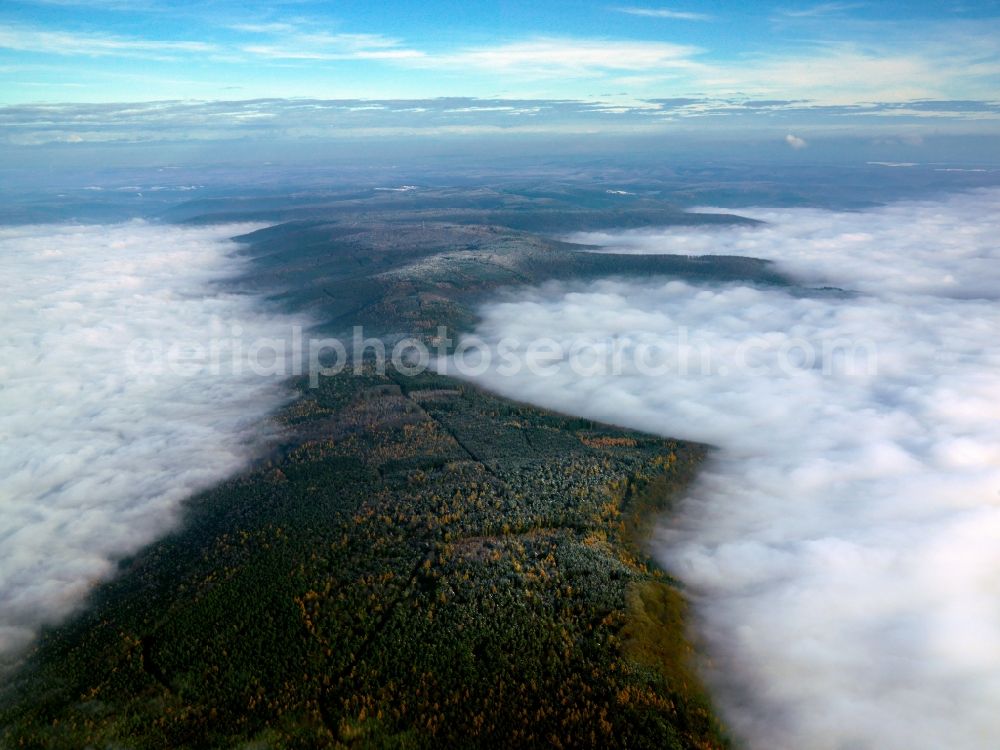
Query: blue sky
[(832, 67)]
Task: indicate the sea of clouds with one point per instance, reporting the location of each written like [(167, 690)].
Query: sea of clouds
[(100, 441), (842, 548)]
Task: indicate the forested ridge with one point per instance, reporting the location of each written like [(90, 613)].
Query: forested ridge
[(403, 578), (418, 564)]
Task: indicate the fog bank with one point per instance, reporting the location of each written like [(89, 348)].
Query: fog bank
[(945, 247), (99, 449), (841, 548)]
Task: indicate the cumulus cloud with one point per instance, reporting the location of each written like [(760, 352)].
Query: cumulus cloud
[(100, 449), (795, 142), (840, 547)]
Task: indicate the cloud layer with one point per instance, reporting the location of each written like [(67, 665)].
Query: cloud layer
[(316, 120), (98, 450), (841, 546), (831, 55), (944, 248)]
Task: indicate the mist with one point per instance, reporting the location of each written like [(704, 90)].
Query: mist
[(102, 441), (840, 547), (945, 247)]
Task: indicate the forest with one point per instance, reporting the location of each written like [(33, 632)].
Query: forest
[(417, 563), (402, 578)]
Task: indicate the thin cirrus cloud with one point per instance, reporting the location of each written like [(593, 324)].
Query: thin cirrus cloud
[(68, 44), (819, 11), (898, 64), (845, 73), (675, 15), (553, 56), (290, 42), (840, 547), (545, 57), (832, 73)]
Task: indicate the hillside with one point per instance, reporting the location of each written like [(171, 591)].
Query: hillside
[(419, 563)]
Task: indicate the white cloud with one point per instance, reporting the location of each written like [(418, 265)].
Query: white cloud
[(68, 43), (958, 258), (98, 454), (299, 45), (819, 11), (130, 5), (843, 62), (842, 75), (264, 28), (552, 57), (795, 142), (290, 119), (840, 547), (678, 15), (822, 72)]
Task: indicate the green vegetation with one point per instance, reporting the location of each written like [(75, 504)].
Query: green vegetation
[(420, 564), (548, 207), (428, 583), (410, 278)]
